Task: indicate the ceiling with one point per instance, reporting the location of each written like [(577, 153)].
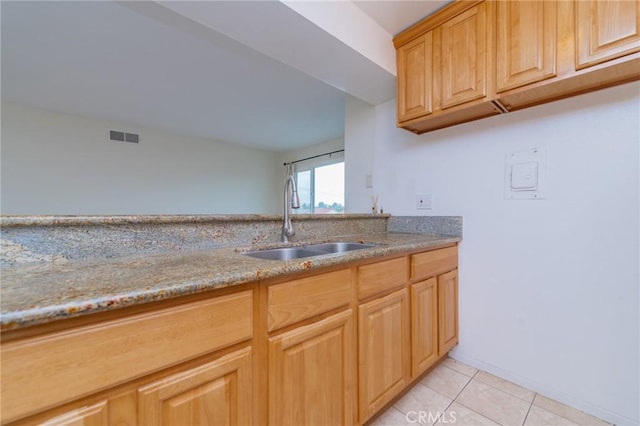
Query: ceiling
[(395, 16), (253, 73)]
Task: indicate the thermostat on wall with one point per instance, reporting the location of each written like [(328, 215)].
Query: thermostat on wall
[(524, 175)]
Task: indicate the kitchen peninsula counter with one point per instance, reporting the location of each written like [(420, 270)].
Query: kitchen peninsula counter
[(39, 293)]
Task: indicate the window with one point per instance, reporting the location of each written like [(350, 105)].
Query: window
[(321, 188)]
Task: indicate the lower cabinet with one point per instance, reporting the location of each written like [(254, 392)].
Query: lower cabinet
[(383, 338), (216, 393), (322, 349), (447, 311), (312, 374), (424, 325)]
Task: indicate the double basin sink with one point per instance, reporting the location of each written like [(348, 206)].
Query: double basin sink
[(290, 253)]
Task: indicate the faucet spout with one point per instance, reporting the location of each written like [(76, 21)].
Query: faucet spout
[(291, 201)]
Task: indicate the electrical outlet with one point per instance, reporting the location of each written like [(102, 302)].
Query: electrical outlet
[(424, 201)]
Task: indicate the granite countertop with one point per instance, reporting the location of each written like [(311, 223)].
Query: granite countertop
[(40, 293)]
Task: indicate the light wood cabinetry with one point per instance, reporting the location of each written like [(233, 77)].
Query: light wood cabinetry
[(434, 307), (296, 300), (63, 361), (540, 51), (379, 277), (526, 43), (216, 393), (414, 64), (329, 348), (463, 57), (312, 374), (606, 30), (447, 311), (444, 69), (424, 325), (383, 335), (311, 367), (432, 263)]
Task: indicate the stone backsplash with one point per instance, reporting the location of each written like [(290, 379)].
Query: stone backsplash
[(27, 239)]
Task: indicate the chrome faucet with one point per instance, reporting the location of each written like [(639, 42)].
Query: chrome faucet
[(291, 201)]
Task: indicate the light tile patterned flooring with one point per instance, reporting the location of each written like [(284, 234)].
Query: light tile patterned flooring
[(457, 394)]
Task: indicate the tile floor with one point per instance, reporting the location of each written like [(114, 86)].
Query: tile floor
[(457, 394)]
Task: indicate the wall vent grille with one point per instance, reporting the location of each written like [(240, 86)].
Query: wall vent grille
[(116, 135)]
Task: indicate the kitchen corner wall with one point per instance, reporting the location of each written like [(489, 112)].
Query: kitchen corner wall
[(548, 288), (63, 164)]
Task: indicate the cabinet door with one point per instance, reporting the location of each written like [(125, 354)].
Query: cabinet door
[(606, 30), (526, 42), (424, 325), (312, 374), (463, 57), (383, 351), (216, 393), (414, 78), (447, 311)]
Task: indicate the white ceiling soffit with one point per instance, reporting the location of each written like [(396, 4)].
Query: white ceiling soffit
[(301, 35), (396, 16), (141, 63)]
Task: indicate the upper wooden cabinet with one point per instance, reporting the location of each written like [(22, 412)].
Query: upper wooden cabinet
[(606, 30), (444, 69), (463, 57), (492, 57), (526, 43), (414, 70)]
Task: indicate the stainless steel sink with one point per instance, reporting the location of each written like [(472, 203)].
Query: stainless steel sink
[(289, 253), (340, 247)]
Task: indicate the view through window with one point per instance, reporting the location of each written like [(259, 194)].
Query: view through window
[(321, 189)]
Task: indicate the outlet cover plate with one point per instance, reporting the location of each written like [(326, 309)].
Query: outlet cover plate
[(424, 201)]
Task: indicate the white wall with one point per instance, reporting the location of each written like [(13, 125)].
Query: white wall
[(548, 289), (359, 138), (63, 164)]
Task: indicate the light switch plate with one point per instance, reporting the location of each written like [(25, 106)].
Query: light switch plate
[(525, 174)]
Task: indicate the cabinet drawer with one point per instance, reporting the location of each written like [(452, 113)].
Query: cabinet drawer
[(45, 371), (297, 300), (381, 276), (431, 263)]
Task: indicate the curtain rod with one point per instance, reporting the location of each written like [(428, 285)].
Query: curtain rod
[(315, 156)]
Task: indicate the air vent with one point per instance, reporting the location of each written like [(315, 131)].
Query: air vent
[(116, 135)]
